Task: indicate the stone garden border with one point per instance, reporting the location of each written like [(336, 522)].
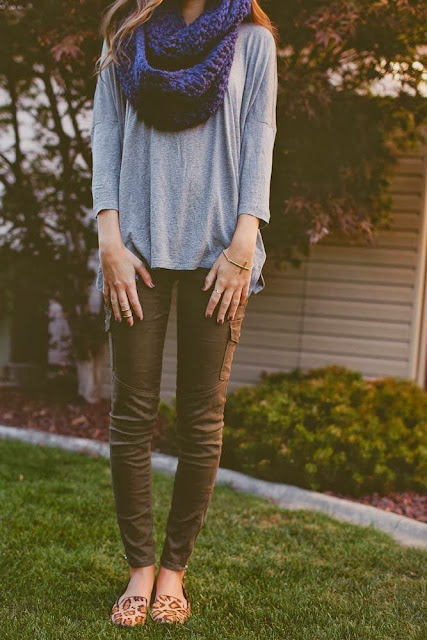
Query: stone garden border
[(404, 530)]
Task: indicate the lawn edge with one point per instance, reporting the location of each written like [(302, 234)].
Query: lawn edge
[(404, 530)]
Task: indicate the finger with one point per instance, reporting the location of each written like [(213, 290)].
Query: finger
[(114, 302), (145, 275), (134, 302), (236, 300), (223, 306), (124, 306), (213, 300), (106, 294), (210, 279), (245, 294)]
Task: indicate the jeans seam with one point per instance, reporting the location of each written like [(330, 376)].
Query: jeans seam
[(132, 388), (175, 566), (199, 393)]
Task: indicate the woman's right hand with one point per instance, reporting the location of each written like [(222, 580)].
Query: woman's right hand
[(119, 265)]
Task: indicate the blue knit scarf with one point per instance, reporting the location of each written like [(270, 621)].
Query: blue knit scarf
[(178, 73)]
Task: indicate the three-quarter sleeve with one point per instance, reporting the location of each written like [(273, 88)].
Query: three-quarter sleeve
[(259, 129), (107, 139)]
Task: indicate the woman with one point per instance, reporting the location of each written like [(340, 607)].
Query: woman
[(182, 138)]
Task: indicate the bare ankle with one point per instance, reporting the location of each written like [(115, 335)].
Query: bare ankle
[(171, 572), (147, 571)]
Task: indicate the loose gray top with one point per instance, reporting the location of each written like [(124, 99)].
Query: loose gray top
[(179, 193)]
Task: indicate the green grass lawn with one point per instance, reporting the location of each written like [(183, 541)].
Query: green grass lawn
[(257, 571)]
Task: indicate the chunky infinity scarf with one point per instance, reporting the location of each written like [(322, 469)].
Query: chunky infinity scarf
[(178, 73)]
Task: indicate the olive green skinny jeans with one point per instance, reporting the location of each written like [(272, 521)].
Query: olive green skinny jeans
[(205, 350)]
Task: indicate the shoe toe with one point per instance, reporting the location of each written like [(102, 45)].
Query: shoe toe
[(170, 609), (129, 611)]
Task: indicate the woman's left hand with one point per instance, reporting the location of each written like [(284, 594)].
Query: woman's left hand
[(231, 282)]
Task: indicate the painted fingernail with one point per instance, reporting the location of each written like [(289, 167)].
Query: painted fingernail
[(209, 315), (152, 284), (220, 321), (230, 317)]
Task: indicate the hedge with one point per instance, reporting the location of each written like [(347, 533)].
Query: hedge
[(328, 429)]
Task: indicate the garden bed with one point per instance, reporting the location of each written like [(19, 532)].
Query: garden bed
[(70, 416)]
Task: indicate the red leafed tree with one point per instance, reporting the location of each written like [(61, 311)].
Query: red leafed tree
[(338, 135)]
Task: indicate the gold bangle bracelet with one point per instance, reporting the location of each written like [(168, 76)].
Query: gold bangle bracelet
[(236, 263)]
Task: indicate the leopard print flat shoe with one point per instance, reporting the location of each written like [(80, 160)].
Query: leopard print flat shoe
[(170, 609), (129, 611)]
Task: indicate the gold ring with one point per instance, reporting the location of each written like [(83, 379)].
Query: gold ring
[(128, 316)]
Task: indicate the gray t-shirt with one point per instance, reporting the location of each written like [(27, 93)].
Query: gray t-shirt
[(179, 193)]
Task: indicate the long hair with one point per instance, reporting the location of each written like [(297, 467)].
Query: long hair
[(132, 13)]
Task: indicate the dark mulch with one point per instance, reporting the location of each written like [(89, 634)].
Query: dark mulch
[(408, 503), (65, 413)]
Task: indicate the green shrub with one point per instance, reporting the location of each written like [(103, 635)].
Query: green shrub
[(329, 429)]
